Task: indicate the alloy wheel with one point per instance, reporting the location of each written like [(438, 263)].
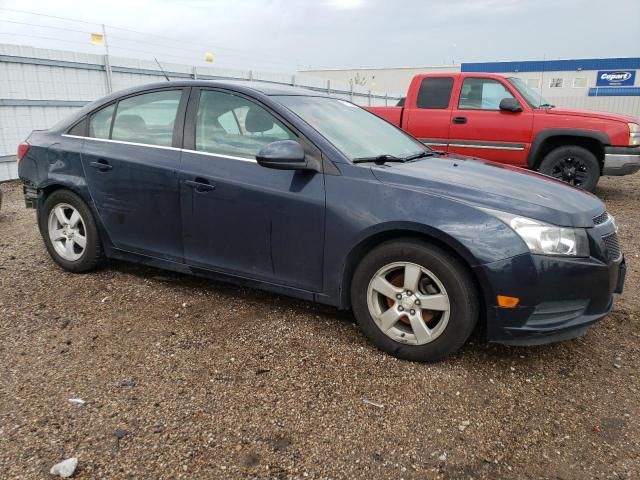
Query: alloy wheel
[(408, 303), (571, 170), (67, 231)]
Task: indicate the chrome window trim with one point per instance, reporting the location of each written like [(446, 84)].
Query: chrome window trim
[(122, 142)]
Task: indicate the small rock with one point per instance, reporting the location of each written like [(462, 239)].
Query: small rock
[(464, 425), (157, 428), (77, 401), (127, 383), (617, 365), (65, 468), (443, 457)]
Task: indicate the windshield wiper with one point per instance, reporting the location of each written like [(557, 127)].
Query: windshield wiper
[(546, 105), (379, 159), (426, 153)]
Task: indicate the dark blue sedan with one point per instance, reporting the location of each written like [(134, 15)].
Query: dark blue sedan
[(314, 197)]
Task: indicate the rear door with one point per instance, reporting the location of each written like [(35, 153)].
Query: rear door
[(130, 159), (480, 129), (427, 115), (239, 217)]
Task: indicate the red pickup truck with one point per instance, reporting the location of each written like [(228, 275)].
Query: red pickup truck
[(501, 119)]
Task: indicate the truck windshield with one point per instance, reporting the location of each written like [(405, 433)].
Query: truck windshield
[(354, 131), (533, 98)]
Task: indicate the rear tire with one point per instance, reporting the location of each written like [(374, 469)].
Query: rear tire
[(429, 291), (574, 165), (69, 232)]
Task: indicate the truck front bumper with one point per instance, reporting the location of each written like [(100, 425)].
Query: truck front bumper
[(621, 160)]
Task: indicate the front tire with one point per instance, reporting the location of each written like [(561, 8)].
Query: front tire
[(69, 232), (414, 300), (574, 165)]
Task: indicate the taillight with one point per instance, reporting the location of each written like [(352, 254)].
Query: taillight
[(23, 148)]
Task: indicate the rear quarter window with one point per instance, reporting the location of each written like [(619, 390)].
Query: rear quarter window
[(435, 92), (100, 122)]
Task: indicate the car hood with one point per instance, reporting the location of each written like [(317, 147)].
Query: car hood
[(592, 114), (496, 186)]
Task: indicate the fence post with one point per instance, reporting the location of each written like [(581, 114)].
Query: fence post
[(386, 99), (194, 72), (328, 87), (107, 62), (351, 93), (369, 97), (293, 80), (250, 75)]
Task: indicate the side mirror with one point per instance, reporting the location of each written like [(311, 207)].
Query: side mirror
[(282, 155), (510, 105)]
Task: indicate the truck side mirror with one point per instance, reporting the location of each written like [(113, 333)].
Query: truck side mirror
[(510, 104)]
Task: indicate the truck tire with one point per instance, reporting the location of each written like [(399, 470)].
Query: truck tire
[(69, 232), (414, 300), (574, 165)]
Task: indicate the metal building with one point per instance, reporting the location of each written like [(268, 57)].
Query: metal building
[(604, 84)]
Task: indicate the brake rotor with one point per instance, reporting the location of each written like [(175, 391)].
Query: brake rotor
[(397, 280)]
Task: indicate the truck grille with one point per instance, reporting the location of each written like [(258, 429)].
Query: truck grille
[(600, 219), (613, 246)]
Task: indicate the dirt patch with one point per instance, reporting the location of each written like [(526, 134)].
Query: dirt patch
[(213, 381)]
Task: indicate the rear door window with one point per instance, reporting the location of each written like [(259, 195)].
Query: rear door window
[(148, 118), (435, 92)]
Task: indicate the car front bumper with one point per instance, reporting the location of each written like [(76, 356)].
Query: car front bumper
[(621, 160), (559, 297)]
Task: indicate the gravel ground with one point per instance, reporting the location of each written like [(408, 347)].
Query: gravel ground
[(187, 378)]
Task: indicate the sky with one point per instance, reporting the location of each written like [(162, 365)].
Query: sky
[(287, 35)]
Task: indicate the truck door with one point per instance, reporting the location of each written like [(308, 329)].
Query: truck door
[(480, 129), (428, 112)]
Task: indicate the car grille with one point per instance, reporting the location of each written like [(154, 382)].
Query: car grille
[(600, 219), (613, 246)]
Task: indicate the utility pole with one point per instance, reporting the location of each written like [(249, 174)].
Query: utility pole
[(107, 62)]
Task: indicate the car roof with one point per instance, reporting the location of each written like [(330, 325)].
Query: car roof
[(266, 88), (250, 88)]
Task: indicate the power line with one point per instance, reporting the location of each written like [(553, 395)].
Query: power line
[(154, 44), (113, 27)]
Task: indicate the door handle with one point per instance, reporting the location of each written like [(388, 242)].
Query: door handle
[(200, 184), (102, 165), (459, 119)]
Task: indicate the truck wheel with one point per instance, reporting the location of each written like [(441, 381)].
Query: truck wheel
[(414, 301), (69, 232), (574, 165)]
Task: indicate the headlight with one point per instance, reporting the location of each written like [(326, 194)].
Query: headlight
[(634, 134), (545, 239)]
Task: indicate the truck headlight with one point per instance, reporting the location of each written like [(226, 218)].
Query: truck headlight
[(634, 134), (545, 239)]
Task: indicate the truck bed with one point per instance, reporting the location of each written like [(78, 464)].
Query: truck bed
[(390, 114)]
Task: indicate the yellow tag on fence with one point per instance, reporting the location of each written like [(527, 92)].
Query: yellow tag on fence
[(97, 39)]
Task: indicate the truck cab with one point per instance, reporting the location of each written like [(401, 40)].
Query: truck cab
[(501, 119)]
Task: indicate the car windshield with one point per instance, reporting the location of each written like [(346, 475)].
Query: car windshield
[(356, 132), (533, 98)]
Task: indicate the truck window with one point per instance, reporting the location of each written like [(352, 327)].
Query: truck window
[(435, 92), (482, 94)]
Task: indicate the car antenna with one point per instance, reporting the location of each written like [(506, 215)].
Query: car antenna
[(161, 69)]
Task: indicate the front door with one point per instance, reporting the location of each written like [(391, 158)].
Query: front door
[(480, 129), (239, 217), (130, 161)]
